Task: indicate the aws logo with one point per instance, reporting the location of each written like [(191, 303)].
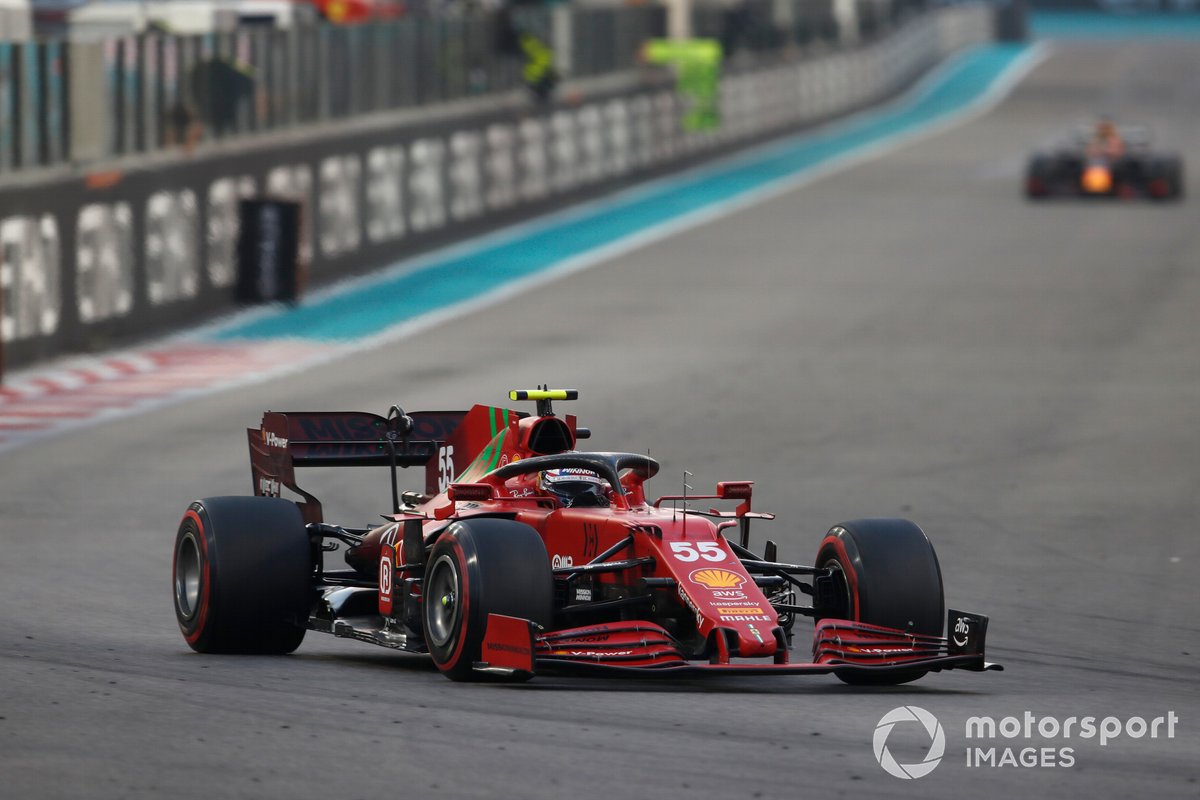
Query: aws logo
[(962, 628), (717, 578)]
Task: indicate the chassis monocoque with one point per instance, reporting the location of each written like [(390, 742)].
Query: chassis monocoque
[(1068, 169), (493, 576)]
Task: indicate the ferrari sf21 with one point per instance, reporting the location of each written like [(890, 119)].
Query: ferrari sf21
[(520, 554)]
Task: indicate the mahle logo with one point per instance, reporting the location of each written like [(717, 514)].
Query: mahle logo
[(937, 742)]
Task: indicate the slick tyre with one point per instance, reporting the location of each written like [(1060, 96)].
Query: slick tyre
[(242, 575), (885, 573), (1175, 178), (476, 568), (1164, 178), (1037, 178)]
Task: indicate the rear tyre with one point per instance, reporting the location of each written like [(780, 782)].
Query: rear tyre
[(1164, 178), (885, 573), (1174, 176), (476, 568), (242, 575)]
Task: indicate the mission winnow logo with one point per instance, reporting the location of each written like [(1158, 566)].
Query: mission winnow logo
[(1023, 742)]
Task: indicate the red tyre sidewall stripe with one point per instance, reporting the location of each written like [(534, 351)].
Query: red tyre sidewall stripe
[(205, 572), (848, 570), (464, 604)]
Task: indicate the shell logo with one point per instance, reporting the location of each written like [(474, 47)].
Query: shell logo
[(717, 578)]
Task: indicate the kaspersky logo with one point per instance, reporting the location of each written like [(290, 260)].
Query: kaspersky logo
[(937, 742)]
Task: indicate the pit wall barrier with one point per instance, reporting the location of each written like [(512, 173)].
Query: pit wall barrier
[(95, 96), (92, 261)]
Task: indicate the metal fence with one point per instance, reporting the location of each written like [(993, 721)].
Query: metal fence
[(758, 26), (138, 94), (607, 39), (83, 102), (258, 79), (33, 104)]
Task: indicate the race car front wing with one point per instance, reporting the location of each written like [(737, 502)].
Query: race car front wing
[(512, 645)]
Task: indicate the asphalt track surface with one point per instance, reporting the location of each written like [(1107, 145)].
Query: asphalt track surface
[(907, 337)]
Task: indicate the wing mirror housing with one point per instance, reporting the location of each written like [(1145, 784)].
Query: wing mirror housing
[(470, 492)]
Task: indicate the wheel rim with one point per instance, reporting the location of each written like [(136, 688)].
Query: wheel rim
[(187, 576), (443, 612)]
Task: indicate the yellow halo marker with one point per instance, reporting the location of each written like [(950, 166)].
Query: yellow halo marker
[(543, 394)]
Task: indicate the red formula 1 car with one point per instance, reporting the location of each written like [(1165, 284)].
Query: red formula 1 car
[(523, 554)]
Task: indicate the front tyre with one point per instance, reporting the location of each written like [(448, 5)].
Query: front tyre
[(1038, 177), (1174, 178), (886, 573), (476, 568), (242, 575)]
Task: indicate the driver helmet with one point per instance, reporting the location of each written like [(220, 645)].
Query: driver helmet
[(574, 487)]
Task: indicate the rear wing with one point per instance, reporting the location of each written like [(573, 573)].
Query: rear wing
[(290, 439)]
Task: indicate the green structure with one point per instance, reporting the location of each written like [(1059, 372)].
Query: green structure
[(697, 63)]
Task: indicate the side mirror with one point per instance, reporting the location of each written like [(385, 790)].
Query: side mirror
[(735, 490)]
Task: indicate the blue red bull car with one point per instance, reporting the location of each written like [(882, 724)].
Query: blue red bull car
[(520, 554), (1085, 166)]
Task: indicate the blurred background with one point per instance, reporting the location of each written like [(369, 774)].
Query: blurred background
[(132, 131)]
